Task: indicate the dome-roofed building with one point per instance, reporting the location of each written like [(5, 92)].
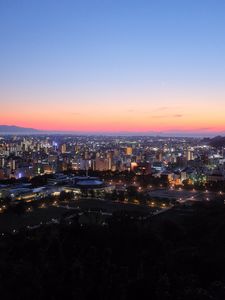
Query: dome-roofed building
[(88, 186)]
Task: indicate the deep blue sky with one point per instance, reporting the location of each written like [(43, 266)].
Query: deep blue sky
[(102, 50)]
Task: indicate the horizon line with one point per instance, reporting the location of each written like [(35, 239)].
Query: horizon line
[(167, 133)]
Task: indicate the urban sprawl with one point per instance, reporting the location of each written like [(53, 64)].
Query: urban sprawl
[(152, 173)]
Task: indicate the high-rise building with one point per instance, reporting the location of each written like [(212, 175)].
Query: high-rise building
[(103, 164), (129, 150), (159, 156), (63, 148), (189, 154)]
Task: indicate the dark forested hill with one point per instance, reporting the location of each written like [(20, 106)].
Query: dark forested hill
[(166, 258)]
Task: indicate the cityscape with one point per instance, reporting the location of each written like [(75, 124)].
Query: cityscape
[(112, 150), (152, 166), (91, 181)]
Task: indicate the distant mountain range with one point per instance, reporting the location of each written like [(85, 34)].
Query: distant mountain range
[(12, 129), (7, 129)]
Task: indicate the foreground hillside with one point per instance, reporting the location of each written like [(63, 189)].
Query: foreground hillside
[(179, 255)]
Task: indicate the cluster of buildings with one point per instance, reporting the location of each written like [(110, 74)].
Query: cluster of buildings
[(76, 185), (177, 158)]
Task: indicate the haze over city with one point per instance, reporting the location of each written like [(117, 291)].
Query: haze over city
[(113, 66)]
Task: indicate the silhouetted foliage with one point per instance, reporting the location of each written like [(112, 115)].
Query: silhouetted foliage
[(175, 256)]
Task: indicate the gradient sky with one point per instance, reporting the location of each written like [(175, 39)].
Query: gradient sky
[(113, 65)]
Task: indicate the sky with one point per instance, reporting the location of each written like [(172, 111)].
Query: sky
[(113, 65)]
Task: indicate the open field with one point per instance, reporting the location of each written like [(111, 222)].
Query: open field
[(10, 222)]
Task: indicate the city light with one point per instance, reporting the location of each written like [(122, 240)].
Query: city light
[(112, 149)]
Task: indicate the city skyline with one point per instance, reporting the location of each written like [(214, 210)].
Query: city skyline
[(112, 149), (107, 66)]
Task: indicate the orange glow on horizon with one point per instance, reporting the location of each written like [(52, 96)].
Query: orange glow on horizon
[(112, 127), (144, 111)]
